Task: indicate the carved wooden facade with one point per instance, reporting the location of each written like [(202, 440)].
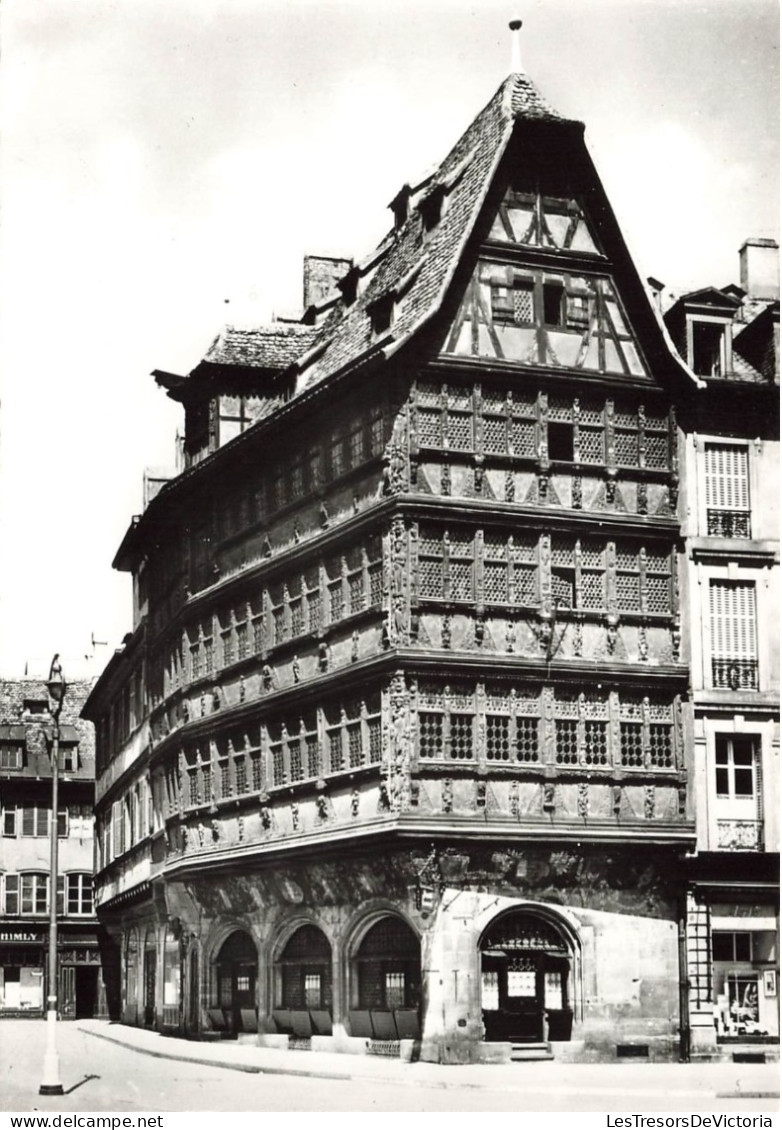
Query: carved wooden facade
[(432, 596)]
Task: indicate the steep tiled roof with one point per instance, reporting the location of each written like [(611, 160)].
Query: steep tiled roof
[(347, 332), (269, 347)]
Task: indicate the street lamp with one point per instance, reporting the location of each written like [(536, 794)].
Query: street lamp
[(51, 1084)]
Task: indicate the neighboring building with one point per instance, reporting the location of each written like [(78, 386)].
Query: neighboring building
[(731, 475), (25, 888), (400, 747)]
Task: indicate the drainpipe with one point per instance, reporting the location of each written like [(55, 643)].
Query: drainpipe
[(684, 985)]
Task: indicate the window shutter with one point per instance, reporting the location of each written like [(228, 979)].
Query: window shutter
[(117, 829), (12, 894), (727, 478), (28, 821), (733, 620)]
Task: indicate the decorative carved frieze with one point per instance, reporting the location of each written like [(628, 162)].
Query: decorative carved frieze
[(616, 799), (583, 800), (513, 800), (577, 497), (399, 742), (398, 629), (649, 801)]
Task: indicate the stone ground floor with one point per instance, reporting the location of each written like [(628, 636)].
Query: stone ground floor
[(451, 954)]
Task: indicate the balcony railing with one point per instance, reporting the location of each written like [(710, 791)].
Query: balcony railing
[(728, 523), (740, 835), (735, 674)]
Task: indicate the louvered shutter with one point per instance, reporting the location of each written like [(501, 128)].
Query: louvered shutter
[(733, 621), (118, 841), (727, 478)]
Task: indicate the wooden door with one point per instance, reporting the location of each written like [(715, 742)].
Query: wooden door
[(67, 1000)]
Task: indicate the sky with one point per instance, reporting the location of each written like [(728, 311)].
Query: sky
[(166, 166)]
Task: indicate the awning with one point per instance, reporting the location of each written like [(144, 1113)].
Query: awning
[(69, 735), (13, 733)]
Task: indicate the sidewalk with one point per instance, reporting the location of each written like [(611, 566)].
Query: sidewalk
[(705, 1081)]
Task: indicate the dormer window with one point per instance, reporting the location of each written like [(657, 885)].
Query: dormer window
[(70, 758), (700, 325), (381, 313), (710, 354), (400, 205), (348, 286), (431, 208), (36, 706)]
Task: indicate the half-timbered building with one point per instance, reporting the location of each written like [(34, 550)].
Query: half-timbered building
[(398, 753)]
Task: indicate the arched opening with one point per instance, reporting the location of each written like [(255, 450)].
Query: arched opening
[(303, 984), (526, 993), (237, 972), (150, 977), (386, 983)]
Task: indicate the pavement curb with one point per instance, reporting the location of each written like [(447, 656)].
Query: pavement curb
[(248, 1068), (361, 1077), (260, 1069)]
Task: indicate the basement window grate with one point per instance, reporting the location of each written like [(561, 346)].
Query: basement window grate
[(632, 1051), (384, 1047), (749, 1057)]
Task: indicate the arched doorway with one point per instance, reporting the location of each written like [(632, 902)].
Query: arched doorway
[(525, 978), (387, 981), (237, 971)]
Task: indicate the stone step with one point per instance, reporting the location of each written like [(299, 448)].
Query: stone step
[(520, 1053)]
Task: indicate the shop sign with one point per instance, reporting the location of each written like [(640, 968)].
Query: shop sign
[(15, 936)]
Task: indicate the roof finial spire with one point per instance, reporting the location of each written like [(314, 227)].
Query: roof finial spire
[(515, 46)]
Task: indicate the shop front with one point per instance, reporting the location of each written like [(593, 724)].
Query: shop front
[(22, 966), (24, 972)]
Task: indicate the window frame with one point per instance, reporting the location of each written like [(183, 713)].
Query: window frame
[(6, 748), (733, 664), (82, 895), (735, 521)]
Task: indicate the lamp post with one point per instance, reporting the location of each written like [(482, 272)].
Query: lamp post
[(51, 1084)]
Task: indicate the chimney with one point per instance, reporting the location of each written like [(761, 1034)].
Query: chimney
[(515, 47), (759, 264), (321, 275), (657, 289)]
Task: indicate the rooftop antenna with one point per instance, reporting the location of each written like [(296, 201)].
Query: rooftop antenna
[(515, 47)]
